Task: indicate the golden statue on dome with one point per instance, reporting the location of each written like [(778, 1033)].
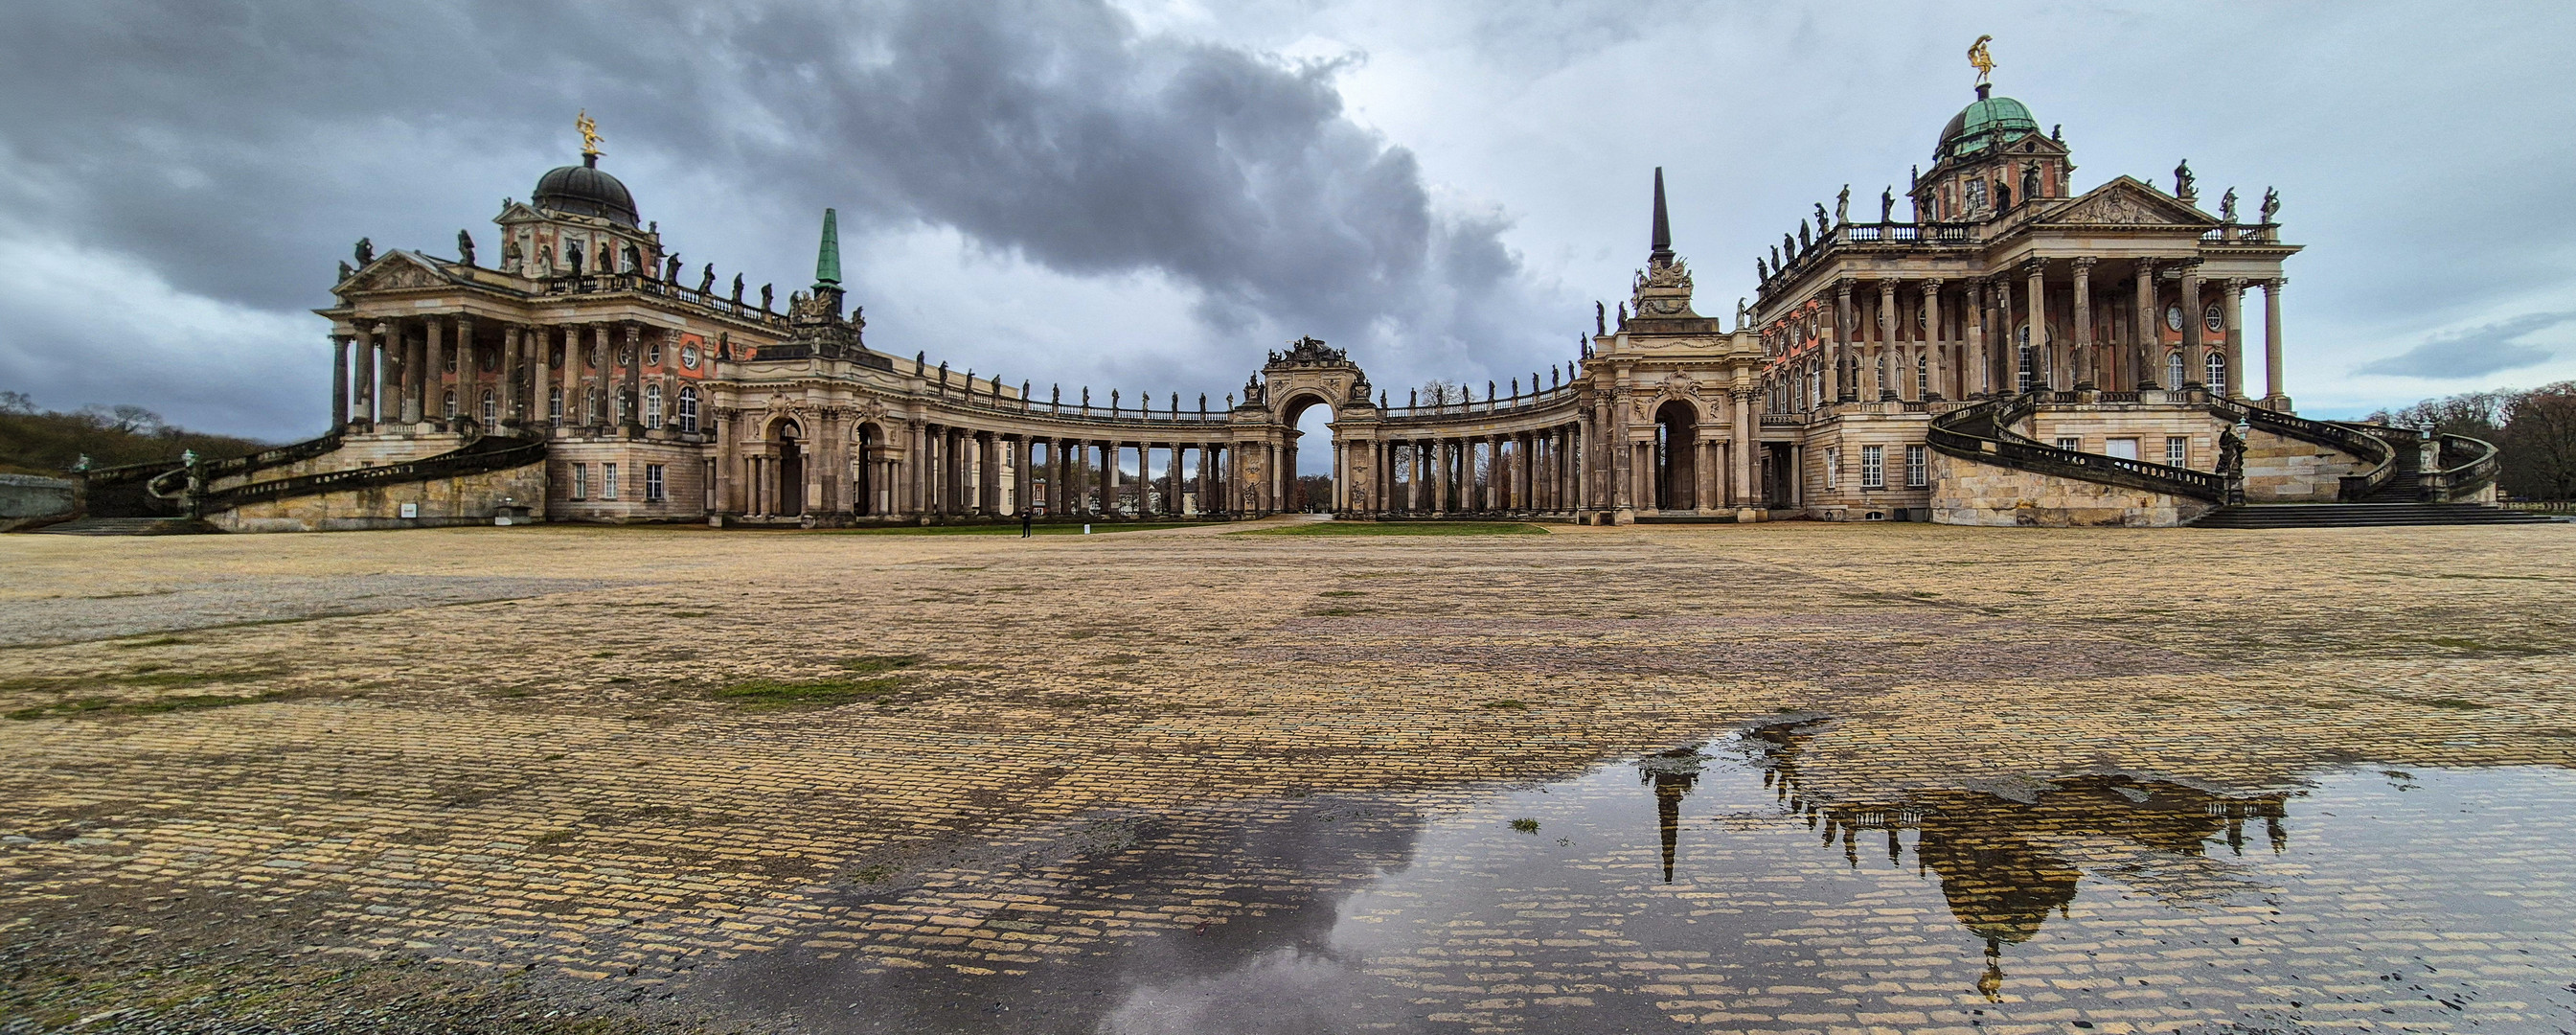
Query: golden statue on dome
[(1982, 61), (589, 132)]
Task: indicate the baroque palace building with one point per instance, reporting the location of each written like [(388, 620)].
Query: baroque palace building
[(2014, 351)]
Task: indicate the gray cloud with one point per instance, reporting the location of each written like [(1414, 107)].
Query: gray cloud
[(2474, 352), (232, 150)]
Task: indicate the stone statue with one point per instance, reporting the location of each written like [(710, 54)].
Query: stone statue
[(671, 268), (1775, 259), (1913, 177), (1623, 316), (707, 279), (737, 289), (1600, 317), (1202, 403), (1803, 240), (545, 260), (510, 256), (465, 247), (1842, 206), (345, 271), (366, 251), (1516, 386), (1887, 204), (572, 256), (1413, 398), (2057, 133), (1822, 224), (1229, 400), (2227, 206), (2030, 182), (1741, 313), (765, 297), (2231, 451), (2271, 204), (630, 260), (1761, 273), (1789, 245), (2183, 181)]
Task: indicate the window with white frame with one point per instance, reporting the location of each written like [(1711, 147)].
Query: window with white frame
[(2029, 375), (447, 404), (1833, 467), (608, 481), (2070, 443), (491, 415), (1922, 377), (2217, 381), (581, 481), (2173, 370), (654, 488), (2177, 451), (1918, 469), (653, 354), (554, 404), (1873, 467), (653, 406)]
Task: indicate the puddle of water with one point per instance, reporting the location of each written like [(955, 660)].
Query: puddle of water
[(1697, 891)]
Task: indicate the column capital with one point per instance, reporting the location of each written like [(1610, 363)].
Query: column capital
[(1932, 284), (2238, 284), (2084, 263), (2034, 266)]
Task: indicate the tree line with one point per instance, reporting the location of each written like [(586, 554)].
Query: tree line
[(2534, 431), (47, 442)]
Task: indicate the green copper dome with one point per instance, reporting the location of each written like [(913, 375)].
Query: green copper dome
[(1983, 124)]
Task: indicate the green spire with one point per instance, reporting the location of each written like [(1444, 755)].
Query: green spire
[(827, 260)]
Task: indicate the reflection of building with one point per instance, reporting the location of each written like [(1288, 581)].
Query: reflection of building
[(2000, 864), (1672, 774), (2015, 351)]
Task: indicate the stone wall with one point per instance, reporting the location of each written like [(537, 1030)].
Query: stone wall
[(470, 500), (2288, 470), (27, 499), (1965, 492)]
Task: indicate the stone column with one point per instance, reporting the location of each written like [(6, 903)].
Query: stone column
[(2149, 346), (1845, 390), (916, 482), (1748, 452), (2007, 351), (2037, 272), (1023, 478), (384, 395), (1109, 478), (2274, 393), (1980, 359), (2195, 359), (630, 391), (1886, 340), (2085, 377), (414, 372), (1940, 346), (512, 407), (1172, 481), (339, 382), (433, 368), (2234, 301)]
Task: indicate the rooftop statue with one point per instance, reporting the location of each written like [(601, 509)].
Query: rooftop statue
[(2183, 180), (2227, 206), (2271, 204), (1981, 60), (1887, 204), (465, 247), (707, 279), (1842, 206), (366, 251), (589, 131)]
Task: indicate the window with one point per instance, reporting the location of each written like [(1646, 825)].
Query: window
[(2214, 319), (689, 356), (490, 415), (2217, 374), (2124, 448), (554, 404), (447, 361), (2029, 376), (1922, 377), (608, 481), (689, 409), (653, 406), (1833, 467), (653, 485), (1873, 467), (1918, 473), (447, 403), (581, 481), (1976, 194), (653, 354), (2177, 451), (2173, 370), (2070, 443)]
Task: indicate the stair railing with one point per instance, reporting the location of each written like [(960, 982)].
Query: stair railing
[(2369, 445), (484, 454), (1958, 433), (2468, 466)]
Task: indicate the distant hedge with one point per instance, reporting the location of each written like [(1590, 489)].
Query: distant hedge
[(34, 441)]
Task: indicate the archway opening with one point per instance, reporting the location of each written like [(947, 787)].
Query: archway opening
[(1308, 468), (787, 493), (863, 465), (1676, 456)]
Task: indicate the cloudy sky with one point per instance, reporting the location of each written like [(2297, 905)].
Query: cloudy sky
[(1150, 194)]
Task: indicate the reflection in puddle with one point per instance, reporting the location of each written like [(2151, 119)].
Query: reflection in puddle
[(1724, 899)]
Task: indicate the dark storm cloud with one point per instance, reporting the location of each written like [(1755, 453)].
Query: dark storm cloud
[(2475, 352), (235, 149)]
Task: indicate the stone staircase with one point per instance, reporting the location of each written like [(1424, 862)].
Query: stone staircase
[(124, 526), (2363, 515)]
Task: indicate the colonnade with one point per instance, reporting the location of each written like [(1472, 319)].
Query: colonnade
[(1533, 471), (437, 368), (1929, 339), (933, 469)]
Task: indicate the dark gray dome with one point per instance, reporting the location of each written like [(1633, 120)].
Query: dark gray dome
[(583, 190)]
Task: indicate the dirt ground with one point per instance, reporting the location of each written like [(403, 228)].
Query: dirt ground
[(547, 779)]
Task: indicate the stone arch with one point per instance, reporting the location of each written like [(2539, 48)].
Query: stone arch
[(1677, 423), (1294, 381), (787, 482)]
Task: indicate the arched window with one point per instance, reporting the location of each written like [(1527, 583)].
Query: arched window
[(2217, 374), (2173, 370), (490, 415), (447, 403), (653, 405), (688, 409), (2028, 377), (554, 404), (1923, 377)]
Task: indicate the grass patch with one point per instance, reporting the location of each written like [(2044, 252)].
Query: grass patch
[(1341, 593), (1097, 528), (874, 678), (1526, 826), (2452, 703), (1340, 612), (877, 873), (1400, 528), (155, 706), (691, 614)]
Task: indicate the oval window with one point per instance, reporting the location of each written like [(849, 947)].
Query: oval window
[(2173, 317), (2212, 318), (689, 356)]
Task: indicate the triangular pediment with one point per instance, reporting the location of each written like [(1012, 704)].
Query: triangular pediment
[(396, 270), (518, 212), (2127, 202)]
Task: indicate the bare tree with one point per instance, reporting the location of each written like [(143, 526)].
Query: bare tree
[(2538, 447)]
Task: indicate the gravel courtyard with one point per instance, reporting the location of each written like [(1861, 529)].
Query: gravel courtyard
[(672, 779)]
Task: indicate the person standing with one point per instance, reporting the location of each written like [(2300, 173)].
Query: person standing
[(1028, 522)]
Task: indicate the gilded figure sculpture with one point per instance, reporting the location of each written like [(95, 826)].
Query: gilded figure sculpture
[(1982, 60), (589, 133)]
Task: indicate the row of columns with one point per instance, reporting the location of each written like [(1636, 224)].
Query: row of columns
[(1877, 347), (1535, 471), (401, 371)]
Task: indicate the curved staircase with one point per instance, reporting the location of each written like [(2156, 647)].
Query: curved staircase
[(155, 498)]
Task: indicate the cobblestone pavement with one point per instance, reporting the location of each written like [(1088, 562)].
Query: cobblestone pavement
[(611, 779)]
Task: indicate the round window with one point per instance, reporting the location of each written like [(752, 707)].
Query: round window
[(2173, 317), (2213, 319), (689, 356)]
